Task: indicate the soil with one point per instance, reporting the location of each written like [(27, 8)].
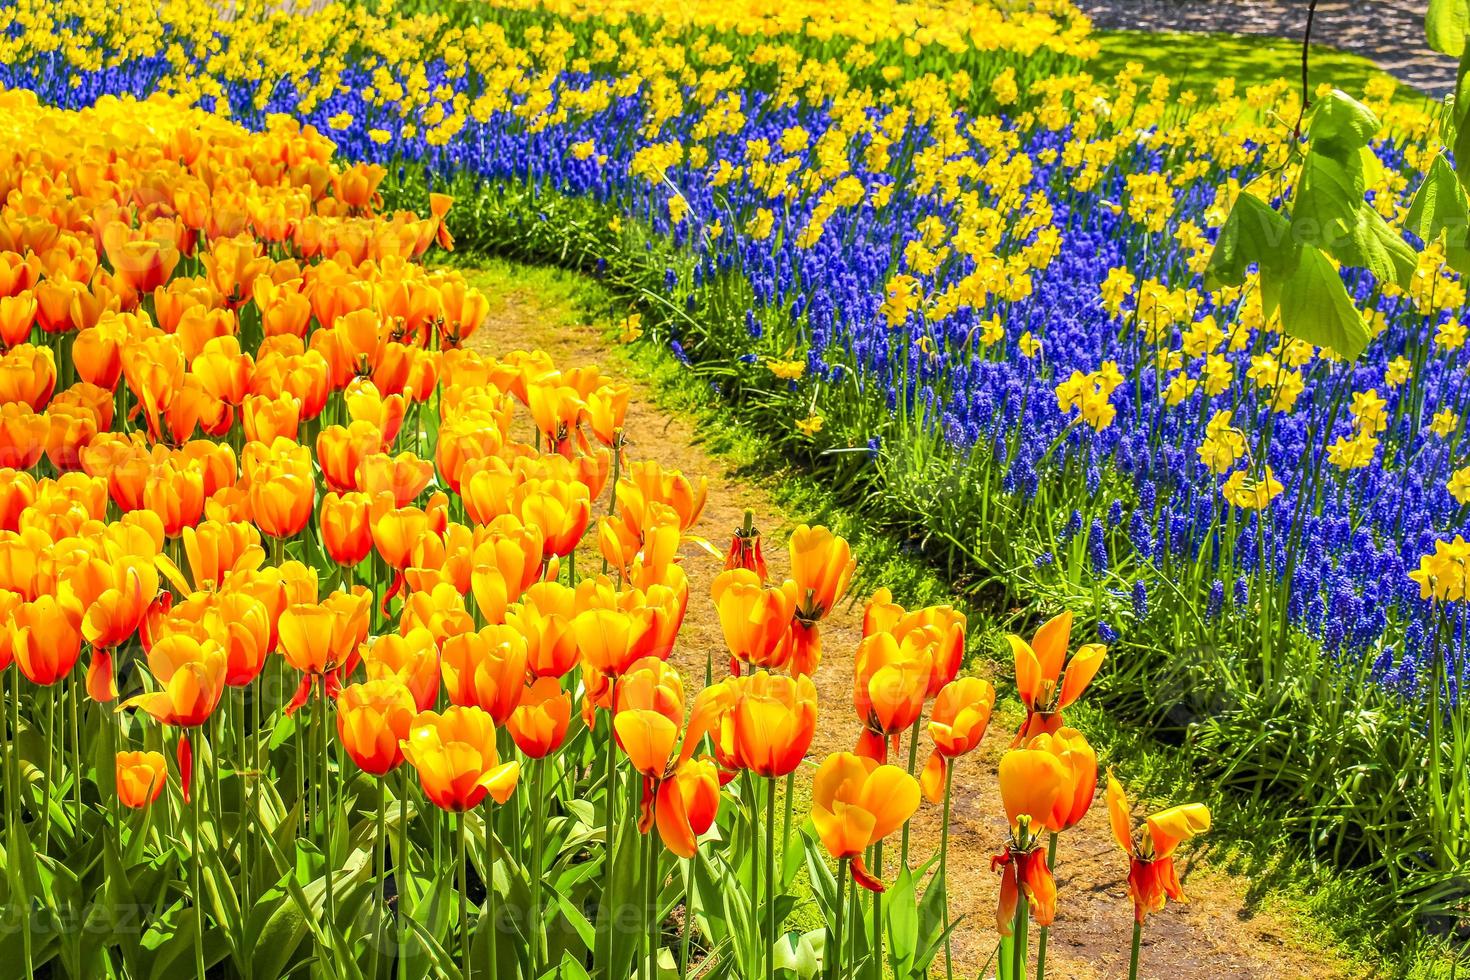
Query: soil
[(1219, 934), (1388, 32)]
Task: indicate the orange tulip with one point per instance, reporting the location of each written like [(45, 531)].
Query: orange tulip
[(97, 353), (753, 617), (1079, 763), (957, 723), (540, 721), (454, 754), (822, 565), (192, 673), (267, 419), (1033, 782), (17, 316), (890, 682), (486, 669), (855, 803), (411, 658), (562, 509), (686, 803), (281, 487), (346, 530), (544, 617), (23, 435), (27, 375), (1046, 680), (775, 719), (648, 482), (555, 409), (612, 640), (373, 719), (46, 637), (606, 409), (404, 476), (321, 639), (1152, 877), (340, 449), (141, 777)]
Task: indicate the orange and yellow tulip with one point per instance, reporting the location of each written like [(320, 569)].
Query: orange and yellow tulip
[(192, 672), (540, 721), (141, 777), (774, 721), (455, 757), (855, 803), (486, 669), (754, 617), (957, 723), (373, 719)]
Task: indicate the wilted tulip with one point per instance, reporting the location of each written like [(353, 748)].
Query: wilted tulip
[(1046, 680)]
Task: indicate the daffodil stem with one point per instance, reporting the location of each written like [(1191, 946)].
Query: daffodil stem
[(1051, 858), (1137, 942), (466, 946), (771, 889)]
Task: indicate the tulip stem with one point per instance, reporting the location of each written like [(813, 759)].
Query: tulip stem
[(943, 866), (913, 762), (538, 820), (1137, 942), (464, 901), (197, 898), (380, 872), (12, 766), (326, 810), (771, 890), (400, 874), (492, 925), (832, 956), (76, 750), (1051, 858), (878, 912), (1018, 935)]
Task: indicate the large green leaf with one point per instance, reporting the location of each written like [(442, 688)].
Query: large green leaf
[(902, 913), (1253, 234), (1315, 306), (1445, 23), (1341, 124), (1329, 211), (1440, 207)]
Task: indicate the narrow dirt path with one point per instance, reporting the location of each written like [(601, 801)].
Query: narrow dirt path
[(1215, 936)]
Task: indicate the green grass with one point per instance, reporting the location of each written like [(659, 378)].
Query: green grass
[(1196, 61), (1283, 882)]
